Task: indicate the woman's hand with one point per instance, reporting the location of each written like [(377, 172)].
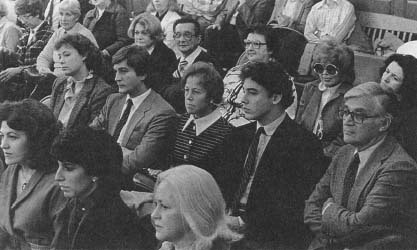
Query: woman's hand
[(9, 73)]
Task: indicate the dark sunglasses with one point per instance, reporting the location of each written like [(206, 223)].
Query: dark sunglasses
[(319, 68)]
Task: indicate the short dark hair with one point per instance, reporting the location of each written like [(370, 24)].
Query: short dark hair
[(408, 89), (95, 150), (39, 124), (272, 77), (267, 32), (188, 19), (32, 7), (94, 60), (209, 79)]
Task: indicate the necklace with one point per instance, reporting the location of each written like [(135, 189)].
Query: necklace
[(25, 178)]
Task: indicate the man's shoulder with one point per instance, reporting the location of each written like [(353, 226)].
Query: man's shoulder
[(159, 104), (399, 158)]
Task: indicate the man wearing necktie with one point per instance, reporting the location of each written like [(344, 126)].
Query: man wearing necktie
[(272, 164), (367, 199), (138, 118)]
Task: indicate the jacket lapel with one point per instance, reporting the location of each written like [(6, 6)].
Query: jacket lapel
[(59, 102), (341, 90), (81, 100), (36, 177), (11, 193), (38, 34)]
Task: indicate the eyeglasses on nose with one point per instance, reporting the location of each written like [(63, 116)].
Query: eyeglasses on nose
[(331, 69), (356, 117), (187, 35), (255, 44)]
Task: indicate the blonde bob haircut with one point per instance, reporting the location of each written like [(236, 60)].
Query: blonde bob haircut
[(72, 6), (150, 23), (202, 206)]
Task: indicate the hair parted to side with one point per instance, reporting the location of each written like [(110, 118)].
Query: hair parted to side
[(39, 124), (150, 23), (202, 205), (272, 77), (209, 79), (188, 19), (93, 58), (338, 54), (72, 6), (32, 7)]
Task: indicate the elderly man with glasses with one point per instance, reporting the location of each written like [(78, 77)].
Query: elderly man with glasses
[(367, 198)]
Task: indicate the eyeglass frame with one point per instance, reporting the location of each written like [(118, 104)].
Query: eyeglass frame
[(187, 35), (325, 68), (355, 117), (255, 44)]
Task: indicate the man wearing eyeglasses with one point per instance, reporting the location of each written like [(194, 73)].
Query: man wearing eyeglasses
[(367, 198)]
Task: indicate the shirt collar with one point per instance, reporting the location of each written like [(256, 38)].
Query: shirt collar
[(34, 30), (365, 154), (139, 99), (151, 49), (191, 57), (202, 123), (72, 84), (271, 127), (332, 89), (328, 3)]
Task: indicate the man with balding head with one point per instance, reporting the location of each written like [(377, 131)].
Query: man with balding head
[(367, 198)]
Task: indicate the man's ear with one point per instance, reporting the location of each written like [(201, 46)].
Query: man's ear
[(142, 77), (276, 98), (386, 123)]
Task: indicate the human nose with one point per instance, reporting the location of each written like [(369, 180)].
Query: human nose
[(155, 213), (117, 76), (4, 143), (58, 174), (188, 95)]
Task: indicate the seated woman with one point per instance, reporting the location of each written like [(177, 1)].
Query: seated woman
[(399, 77), (69, 12), (166, 12), (29, 196), (147, 32), (190, 211), (9, 32), (321, 100), (202, 131), (78, 97), (95, 217)]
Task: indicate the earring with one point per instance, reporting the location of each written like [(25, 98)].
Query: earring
[(94, 179)]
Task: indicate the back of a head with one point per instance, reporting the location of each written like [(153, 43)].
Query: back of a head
[(34, 7)]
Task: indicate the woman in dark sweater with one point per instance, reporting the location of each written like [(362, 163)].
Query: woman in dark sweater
[(202, 131)]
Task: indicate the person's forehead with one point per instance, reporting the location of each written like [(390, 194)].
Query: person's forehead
[(248, 83), (185, 27), (122, 64), (366, 103), (255, 36)]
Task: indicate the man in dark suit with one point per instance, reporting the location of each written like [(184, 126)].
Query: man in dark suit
[(367, 198), (272, 165), (141, 121)]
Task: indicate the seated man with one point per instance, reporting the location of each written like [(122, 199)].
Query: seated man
[(141, 121), (29, 47), (268, 174), (330, 19), (292, 14), (368, 193)]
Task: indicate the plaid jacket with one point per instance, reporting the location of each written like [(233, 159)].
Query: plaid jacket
[(27, 54)]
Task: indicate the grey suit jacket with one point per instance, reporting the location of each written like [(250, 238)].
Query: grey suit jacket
[(150, 133), (384, 195)]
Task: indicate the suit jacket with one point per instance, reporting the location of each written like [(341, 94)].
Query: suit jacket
[(383, 197), (89, 103), (150, 134), (28, 53), (164, 63), (285, 175), (332, 126), (31, 217)]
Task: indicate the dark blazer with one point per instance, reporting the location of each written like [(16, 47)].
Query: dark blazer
[(164, 63), (105, 222), (30, 217), (285, 176), (91, 99), (28, 53), (308, 109), (150, 134), (110, 30), (383, 199)]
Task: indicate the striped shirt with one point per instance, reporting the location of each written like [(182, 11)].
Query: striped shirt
[(333, 19)]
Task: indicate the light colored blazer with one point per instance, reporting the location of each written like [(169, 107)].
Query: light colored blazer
[(150, 133), (384, 195), (30, 217), (167, 25)]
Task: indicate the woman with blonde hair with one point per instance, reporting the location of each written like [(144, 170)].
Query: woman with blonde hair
[(9, 32), (190, 211)]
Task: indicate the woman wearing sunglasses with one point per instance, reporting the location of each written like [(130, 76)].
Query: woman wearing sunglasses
[(398, 76), (319, 105)]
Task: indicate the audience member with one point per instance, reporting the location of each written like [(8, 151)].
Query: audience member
[(9, 32), (138, 118), (201, 132), (367, 195), (330, 19), (69, 13), (260, 47), (52, 12), (268, 174), (78, 97), (13, 84), (147, 32), (399, 76), (95, 216), (190, 211), (319, 106), (292, 14), (29, 196), (166, 12)]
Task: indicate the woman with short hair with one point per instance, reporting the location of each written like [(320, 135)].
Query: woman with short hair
[(318, 110), (190, 211), (9, 32), (29, 196)]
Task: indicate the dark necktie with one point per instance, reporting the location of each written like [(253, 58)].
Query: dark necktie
[(248, 168), (350, 179), (123, 119)]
